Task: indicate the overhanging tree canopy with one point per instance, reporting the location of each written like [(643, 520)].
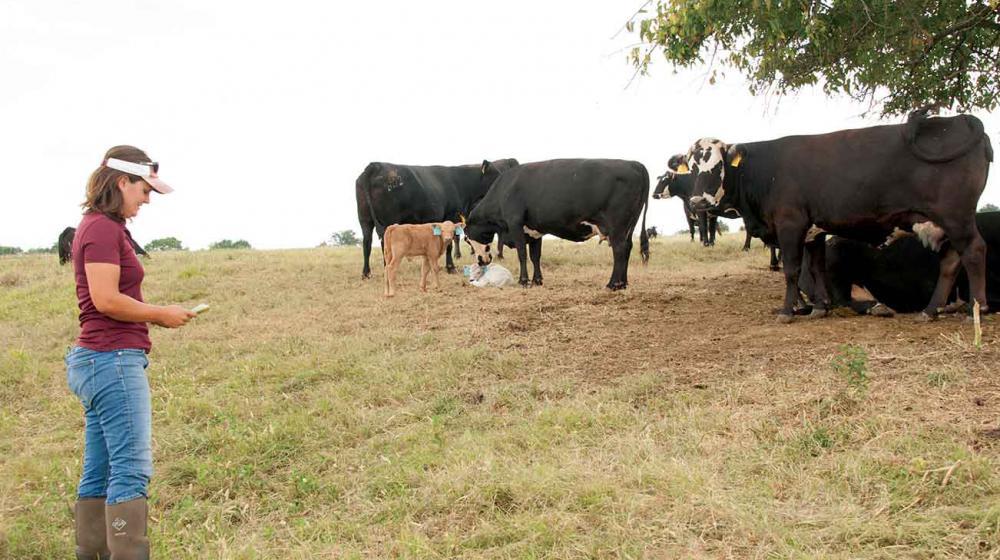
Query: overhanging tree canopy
[(896, 55)]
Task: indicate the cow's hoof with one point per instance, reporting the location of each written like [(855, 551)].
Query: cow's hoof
[(452, 270), (817, 313), (524, 284), (925, 317), (537, 281), (879, 310), (366, 276), (954, 307), (775, 268), (615, 286), (784, 318)]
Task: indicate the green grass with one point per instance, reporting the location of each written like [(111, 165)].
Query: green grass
[(305, 416)]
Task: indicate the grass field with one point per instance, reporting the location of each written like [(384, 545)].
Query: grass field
[(305, 416)]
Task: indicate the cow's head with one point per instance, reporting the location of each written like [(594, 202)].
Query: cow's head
[(490, 171), (447, 230), (386, 178), (479, 238), (710, 159), (677, 165)]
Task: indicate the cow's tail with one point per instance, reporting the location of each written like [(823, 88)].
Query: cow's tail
[(643, 236), (366, 188), (912, 128), (387, 254)]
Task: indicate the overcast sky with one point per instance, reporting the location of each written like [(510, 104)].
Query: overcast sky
[(263, 117)]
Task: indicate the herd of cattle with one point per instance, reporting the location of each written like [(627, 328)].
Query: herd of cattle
[(898, 202)]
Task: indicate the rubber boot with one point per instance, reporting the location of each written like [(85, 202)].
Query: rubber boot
[(91, 536), (127, 530)]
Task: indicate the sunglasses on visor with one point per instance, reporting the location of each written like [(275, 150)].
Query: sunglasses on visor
[(146, 169)]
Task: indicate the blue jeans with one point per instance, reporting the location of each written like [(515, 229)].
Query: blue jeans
[(114, 391)]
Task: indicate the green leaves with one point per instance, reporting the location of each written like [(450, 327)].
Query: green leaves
[(895, 55)]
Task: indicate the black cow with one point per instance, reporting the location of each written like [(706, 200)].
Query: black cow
[(859, 184), (66, 245), (680, 184), (651, 232), (902, 274), (413, 194), (574, 199)]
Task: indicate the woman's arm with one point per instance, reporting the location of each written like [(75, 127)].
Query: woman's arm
[(102, 281)]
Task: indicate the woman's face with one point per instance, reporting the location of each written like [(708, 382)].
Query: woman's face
[(134, 195)]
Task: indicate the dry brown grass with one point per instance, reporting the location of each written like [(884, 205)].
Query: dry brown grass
[(307, 416)]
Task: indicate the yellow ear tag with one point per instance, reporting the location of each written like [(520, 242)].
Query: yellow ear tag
[(683, 168), (736, 160)]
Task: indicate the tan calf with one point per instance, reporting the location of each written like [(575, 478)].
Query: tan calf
[(415, 240)]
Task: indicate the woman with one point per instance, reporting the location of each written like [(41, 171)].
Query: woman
[(106, 368)]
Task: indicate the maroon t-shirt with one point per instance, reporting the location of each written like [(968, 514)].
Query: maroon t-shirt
[(100, 239)]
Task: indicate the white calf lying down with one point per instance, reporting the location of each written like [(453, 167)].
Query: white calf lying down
[(491, 276)]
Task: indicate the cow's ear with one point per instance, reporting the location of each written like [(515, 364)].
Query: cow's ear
[(485, 166), (735, 154), (678, 164)]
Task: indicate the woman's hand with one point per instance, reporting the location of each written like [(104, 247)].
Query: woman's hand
[(173, 316)]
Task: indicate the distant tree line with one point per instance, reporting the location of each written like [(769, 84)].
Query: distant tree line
[(229, 244)]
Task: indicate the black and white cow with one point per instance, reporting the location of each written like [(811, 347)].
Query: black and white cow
[(65, 245), (901, 275), (388, 194), (681, 184), (859, 184), (574, 199)]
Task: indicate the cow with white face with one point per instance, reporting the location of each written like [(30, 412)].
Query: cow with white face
[(707, 161)]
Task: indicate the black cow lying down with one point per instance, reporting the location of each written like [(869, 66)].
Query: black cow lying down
[(859, 184), (388, 194), (902, 274), (574, 199), (65, 245)]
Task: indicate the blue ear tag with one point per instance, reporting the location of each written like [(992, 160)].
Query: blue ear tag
[(459, 230), (467, 270), (437, 230)]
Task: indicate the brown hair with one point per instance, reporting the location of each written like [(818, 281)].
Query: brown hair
[(103, 194)]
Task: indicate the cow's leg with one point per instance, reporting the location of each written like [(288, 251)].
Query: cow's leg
[(713, 225), (520, 244), (424, 269), (790, 241), (621, 247), (703, 228), (969, 249), (366, 248), (458, 246), (390, 278), (817, 268), (499, 248), (746, 243), (948, 270), (449, 264), (535, 248), (775, 266), (436, 269), (974, 261), (691, 227)]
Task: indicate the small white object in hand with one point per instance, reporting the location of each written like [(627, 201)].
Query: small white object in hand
[(199, 308)]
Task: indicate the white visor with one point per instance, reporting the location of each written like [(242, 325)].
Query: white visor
[(142, 170)]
